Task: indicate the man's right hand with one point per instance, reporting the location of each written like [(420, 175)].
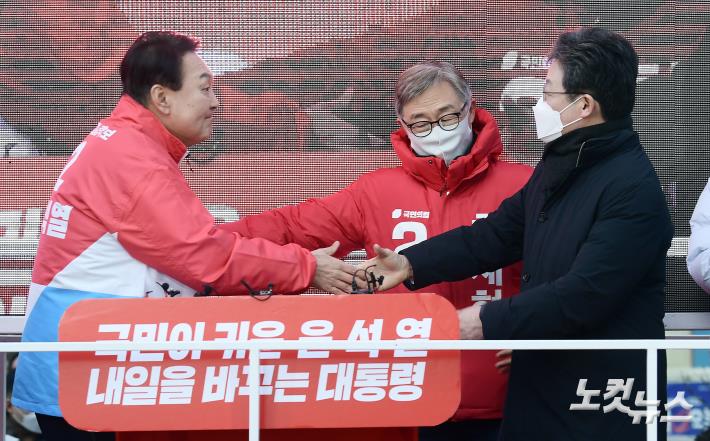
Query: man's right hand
[(332, 275), (505, 357), (395, 268)]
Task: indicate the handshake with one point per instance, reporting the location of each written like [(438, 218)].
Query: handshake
[(382, 272)]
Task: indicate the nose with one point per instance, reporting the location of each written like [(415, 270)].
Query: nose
[(214, 103)]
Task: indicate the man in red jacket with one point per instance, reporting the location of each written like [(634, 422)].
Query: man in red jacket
[(450, 176), (122, 222)]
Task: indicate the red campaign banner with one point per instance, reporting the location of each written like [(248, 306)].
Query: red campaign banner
[(201, 390)]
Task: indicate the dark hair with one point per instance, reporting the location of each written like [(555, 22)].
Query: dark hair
[(155, 58), (601, 63)]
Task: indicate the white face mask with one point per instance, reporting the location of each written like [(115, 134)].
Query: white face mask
[(445, 144), (548, 121)]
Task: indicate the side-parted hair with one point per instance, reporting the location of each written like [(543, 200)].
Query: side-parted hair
[(418, 78), (155, 58), (601, 63)]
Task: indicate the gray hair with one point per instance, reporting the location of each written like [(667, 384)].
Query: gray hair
[(418, 78)]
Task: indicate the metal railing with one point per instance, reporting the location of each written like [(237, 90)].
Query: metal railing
[(256, 346)]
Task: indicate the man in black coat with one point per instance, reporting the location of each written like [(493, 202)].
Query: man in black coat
[(592, 229)]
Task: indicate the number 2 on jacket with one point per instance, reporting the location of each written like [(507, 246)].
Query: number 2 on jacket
[(418, 228)]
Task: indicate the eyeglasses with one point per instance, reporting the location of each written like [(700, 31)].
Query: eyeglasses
[(371, 280), (447, 122), (546, 93)]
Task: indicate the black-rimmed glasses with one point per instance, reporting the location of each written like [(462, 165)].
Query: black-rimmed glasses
[(545, 93), (447, 122)]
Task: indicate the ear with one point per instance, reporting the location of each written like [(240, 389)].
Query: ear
[(472, 110), (159, 99), (590, 106), (401, 123)]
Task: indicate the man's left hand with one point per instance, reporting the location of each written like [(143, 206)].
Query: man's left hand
[(470, 326)]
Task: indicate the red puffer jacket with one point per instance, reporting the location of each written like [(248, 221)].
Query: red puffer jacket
[(398, 207)]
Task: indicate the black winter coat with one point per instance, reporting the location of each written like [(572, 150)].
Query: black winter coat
[(592, 228)]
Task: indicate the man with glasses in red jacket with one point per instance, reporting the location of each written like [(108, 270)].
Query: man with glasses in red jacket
[(450, 176)]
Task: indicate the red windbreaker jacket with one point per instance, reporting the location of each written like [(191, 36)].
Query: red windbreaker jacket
[(121, 222), (398, 207)]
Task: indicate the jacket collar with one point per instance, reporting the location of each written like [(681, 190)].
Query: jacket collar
[(134, 112), (596, 140), (433, 172), (583, 148)]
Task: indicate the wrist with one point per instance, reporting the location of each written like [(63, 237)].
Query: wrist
[(408, 266)]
